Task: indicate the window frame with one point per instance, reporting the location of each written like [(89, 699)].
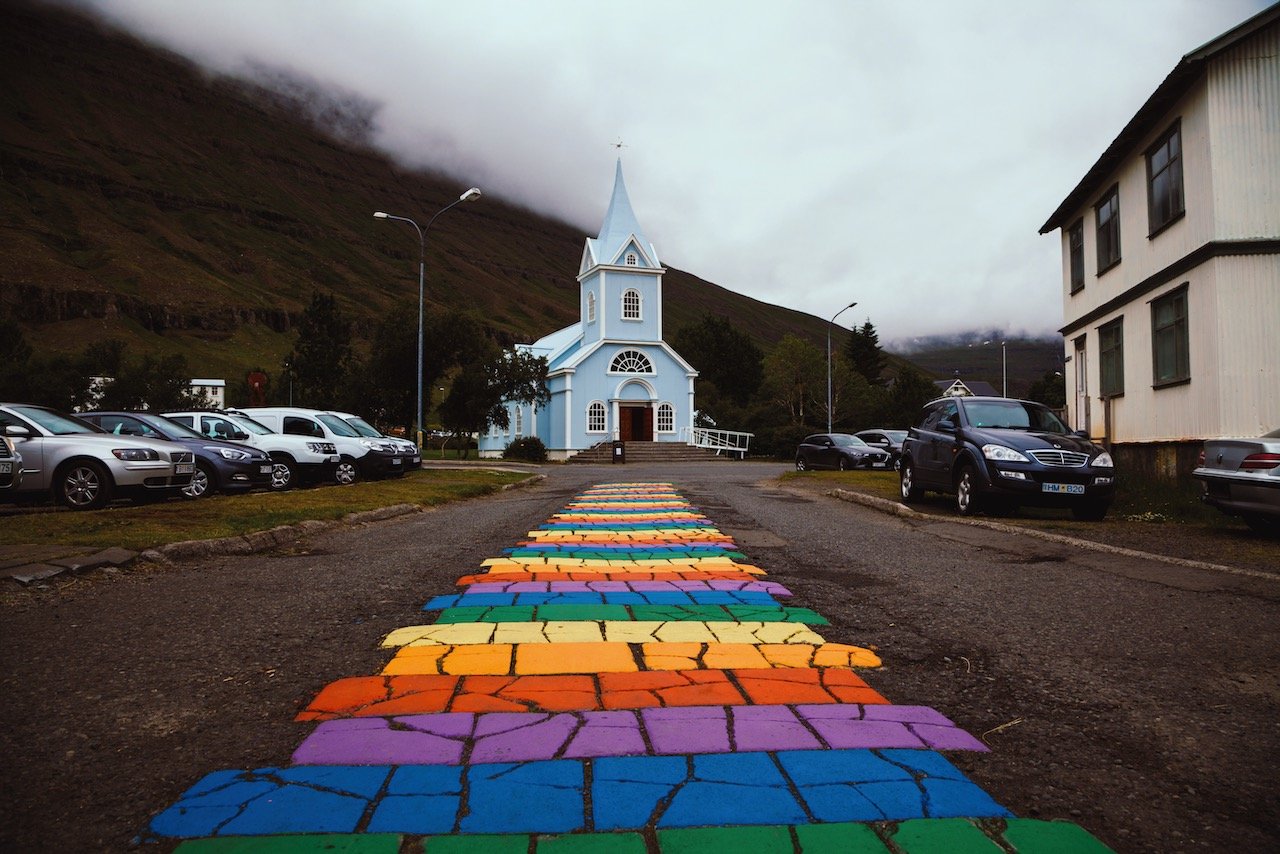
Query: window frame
[(518, 421), (1075, 255), (1111, 358), (594, 407), (1173, 166), (641, 356), (1180, 330), (591, 306), (1110, 200), (639, 304), (667, 408)]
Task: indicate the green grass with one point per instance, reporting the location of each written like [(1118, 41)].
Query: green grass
[(149, 525)]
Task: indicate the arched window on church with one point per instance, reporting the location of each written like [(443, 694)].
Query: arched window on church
[(666, 418), (519, 421), (591, 306), (595, 417), (631, 362), (631, 304)]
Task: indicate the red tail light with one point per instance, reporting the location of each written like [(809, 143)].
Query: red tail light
[(1260, 462)]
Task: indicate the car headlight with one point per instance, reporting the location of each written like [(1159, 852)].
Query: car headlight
[(321, 448), (1001, 454), (231, 453), (1103, 460), (135, 455)]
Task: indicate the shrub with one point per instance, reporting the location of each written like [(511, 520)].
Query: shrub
[(526, 448)]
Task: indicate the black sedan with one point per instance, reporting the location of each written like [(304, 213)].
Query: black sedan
[(1241, 477), (885, 440), (220, 466), (838, 451)]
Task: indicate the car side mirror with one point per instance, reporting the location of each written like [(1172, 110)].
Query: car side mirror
[(947, 425), (239, 434), (16, 431), (1081, 434)]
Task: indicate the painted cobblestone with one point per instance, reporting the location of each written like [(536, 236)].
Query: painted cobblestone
[(620, 680)]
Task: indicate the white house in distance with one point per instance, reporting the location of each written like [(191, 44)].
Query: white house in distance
[(1171, 261), (611, 375)]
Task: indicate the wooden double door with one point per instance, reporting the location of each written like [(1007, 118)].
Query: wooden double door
[(635, 422)]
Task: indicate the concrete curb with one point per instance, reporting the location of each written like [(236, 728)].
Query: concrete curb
[(898, 509), (251, 543)]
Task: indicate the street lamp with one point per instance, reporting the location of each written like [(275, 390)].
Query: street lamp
[(469, 196), (829, 325)]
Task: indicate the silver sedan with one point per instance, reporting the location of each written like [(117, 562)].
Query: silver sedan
[(1241, 477)]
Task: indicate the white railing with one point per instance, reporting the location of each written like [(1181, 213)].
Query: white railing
[(720, 441)]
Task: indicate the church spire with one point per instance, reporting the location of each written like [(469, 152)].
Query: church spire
[(620, 222)]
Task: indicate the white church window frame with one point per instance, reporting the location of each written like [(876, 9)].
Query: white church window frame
[(591, 306), (632, 304), (632, 260), (631, 361), (665, 421), (597, 417), (519, 422)]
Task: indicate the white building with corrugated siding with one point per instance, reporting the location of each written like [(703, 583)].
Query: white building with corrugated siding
[(1171, 261)]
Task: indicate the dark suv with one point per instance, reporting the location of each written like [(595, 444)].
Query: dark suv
[(990, 451)]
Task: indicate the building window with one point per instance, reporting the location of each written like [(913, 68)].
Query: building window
[(1107, 214), (631, 362), (591, 306), (631, 304), (519, 421), (1111, 357), (1075, 244), (666, 418), (595, 417), (632, 259), (1164, 180), (1170, 339)]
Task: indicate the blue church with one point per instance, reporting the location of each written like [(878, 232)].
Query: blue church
[(611, 375)]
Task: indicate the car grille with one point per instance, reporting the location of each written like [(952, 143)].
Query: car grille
[(183, 457), (4, 449), (1072, 459)]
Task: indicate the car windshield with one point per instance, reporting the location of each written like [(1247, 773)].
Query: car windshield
[(176, 430), (337, 425), (364, 428), (1014, 415), (55, 422), (896, 435), (251, 426), (844, 440)]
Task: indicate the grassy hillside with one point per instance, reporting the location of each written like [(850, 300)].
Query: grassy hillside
[(141, 199)]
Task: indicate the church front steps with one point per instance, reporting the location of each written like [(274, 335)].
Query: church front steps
[(648, 452)]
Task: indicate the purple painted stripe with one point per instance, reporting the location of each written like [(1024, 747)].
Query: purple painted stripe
[(771, 587), (457, 738)]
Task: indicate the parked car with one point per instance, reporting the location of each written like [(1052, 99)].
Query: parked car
[(10, 467), (410, 456), (220, 466), (294, 459), (83, 468), (999, 451), (886, 440), (1241, 477), (359, 456), (837, 451)]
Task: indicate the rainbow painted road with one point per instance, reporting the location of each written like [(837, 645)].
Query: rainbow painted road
[(623, 680)]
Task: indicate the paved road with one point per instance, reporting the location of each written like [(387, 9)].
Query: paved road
[(1132, 697)]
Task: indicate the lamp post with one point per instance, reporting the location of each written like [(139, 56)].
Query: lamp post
[(829, 325), (469, 196)]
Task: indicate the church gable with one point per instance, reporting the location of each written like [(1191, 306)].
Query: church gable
[(633, 255), (588, 257)]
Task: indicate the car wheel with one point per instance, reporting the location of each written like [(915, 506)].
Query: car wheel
[(83, 485), (897, 464), (801, 465), (968, 502), (907, 483), (844, 464), (284, 474), (202, 483), (347, 473), (1090, 511)]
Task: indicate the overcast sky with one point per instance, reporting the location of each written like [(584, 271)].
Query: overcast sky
[(901, 153)]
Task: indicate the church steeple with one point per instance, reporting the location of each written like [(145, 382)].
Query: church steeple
[(620, 233)]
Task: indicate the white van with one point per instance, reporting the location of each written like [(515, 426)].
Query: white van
[(294, 459), (360, 456)]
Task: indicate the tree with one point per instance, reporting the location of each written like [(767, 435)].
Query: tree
[(321, 359), (483, 389), (1050, 389), (795, 379), (864, 353), (910, 391), (723, 355)]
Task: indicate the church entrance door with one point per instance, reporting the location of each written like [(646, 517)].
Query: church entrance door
[(635, 423)]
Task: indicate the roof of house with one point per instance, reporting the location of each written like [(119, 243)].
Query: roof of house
[(1174, 87), (975, 387)]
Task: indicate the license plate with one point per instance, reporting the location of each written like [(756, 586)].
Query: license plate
[(397, 461), (1063, 488), (6, 468), (184, 468), (264, 469)]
